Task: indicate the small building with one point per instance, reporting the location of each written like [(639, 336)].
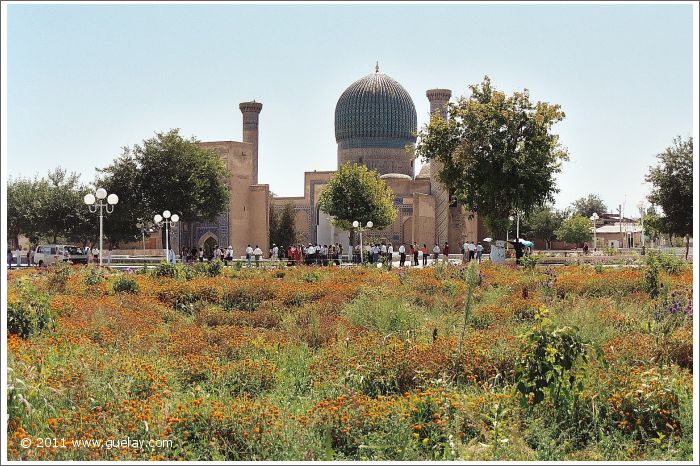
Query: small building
[(619, 235)]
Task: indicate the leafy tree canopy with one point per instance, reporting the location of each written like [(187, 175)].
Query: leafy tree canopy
[(357, 193), (672, 186), (165, 172), (586, 206), (542, 223), (283, 226), (498, 153), (575, 229)]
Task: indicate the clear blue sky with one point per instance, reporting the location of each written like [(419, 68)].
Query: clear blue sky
[(85, 80)]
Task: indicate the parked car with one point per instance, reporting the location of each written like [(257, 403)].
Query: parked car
[(47, 254)]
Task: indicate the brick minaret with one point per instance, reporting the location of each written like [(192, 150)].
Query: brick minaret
[(438, 103), (251, 113)]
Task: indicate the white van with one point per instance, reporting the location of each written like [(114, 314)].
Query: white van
[(47, 254)]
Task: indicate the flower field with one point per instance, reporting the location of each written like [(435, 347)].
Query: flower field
[(480, 363)]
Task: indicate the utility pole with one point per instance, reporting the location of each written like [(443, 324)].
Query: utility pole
[(619, 210)]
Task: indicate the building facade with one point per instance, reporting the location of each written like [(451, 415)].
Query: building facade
[(375, 125)]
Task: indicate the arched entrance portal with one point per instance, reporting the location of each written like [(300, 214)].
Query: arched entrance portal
[(208, 241), (209, 246)]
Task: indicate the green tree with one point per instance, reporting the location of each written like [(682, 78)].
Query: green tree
[(61, 210), (22, 209), (542, 223), (575, 229), (283, 226), (165, 172), (357, 193), (498, 153), (586, 206), (124, 178), (672, 188)]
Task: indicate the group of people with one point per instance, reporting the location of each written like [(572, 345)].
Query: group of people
[(472, 251)]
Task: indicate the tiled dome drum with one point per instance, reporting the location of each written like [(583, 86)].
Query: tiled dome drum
[(375, 119)]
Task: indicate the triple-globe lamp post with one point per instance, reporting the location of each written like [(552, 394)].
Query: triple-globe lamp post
[(95, 203), (168, 220), (356, 224)]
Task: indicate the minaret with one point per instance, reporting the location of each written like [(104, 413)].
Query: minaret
[(438, 103), (251, 113)]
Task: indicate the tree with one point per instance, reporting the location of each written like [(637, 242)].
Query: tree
[(497, 152), (283, 226), (165, 172), (357, 193), (62, 210), (586, 206), (542, 223), (575, 229), (22, 207), (124, 178), (672, 188)]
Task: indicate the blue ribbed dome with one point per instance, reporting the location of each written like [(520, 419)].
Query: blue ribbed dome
[(375, 111)]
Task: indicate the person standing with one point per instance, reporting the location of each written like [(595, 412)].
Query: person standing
[(109, 256), (257, 253), (229, 254), (424, 250), (19, 256), (9, 258), (446, 254), (402, 254), (436, 253), (585, 248), (248, 254), (518, 246), (465, 252), (415, 253), (95, 254), (472, 251), (275, 253), (479, 252)]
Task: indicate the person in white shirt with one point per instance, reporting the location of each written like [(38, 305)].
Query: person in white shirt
[(390, 252), (384, 250), (436, 252), (229, 254), (257, 253), (472, 250), (402, 255), (248, 254), (465, 252), (274, 253), (95, 254), (479, 252), (217, 253)]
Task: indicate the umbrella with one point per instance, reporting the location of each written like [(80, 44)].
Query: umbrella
[(488, 240), (526, 243)]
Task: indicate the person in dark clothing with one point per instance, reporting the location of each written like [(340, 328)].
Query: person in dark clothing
[(519, 248)]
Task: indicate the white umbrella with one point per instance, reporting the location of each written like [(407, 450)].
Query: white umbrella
[(488, 240)]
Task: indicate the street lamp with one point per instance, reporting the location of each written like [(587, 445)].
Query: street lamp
[(593, 218), (356, 224), (642, 208), (95, 202), (168, 220), (145, 228)]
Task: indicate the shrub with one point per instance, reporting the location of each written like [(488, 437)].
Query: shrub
[(529, 261), (93, 275), (124, 284), (58, 274), (311, 277), (164, 269), (29, 313), (548, 357), (669, 262)]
